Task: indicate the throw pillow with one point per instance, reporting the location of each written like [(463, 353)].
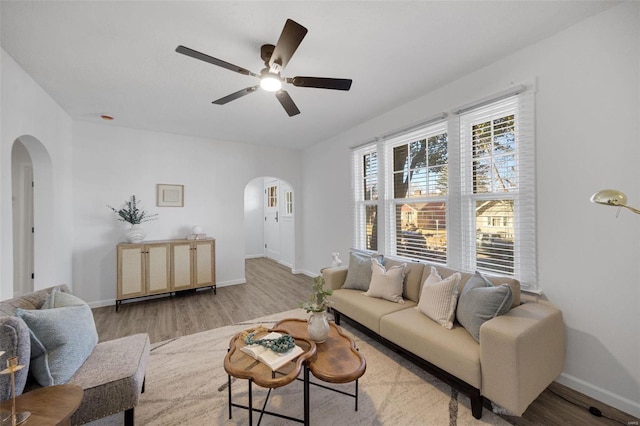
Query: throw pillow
[(439, 297), (359, 272), (386, 284), (15, 340), (61, 340), (60, 299), (480, 301)]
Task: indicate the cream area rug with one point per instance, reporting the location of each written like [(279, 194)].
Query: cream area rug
[(186, 385)]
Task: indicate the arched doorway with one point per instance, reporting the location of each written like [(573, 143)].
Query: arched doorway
[(32, 195), (270, 220)]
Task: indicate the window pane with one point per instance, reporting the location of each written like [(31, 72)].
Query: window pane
[(370, 172), (493, 146), (372, 227), (421, 231), (494, 236), (438, 150)]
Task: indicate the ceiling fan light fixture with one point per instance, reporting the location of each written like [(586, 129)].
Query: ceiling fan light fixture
[(270, 82)]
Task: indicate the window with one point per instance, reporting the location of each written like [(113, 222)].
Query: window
[(365, 171), (288, 203), (460, 192), (418, 172)]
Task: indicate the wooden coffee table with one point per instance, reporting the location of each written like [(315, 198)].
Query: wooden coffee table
[(337, 360), (52, 405), (242, 366)]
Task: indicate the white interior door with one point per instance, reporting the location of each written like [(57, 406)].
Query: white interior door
[(272, 219)]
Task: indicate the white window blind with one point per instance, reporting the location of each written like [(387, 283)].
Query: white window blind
[(497, 189), (416, 184), (365, 203)]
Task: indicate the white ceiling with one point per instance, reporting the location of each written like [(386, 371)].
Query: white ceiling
[(118, 57)]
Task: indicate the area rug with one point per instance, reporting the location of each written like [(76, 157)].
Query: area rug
[(186, 385)]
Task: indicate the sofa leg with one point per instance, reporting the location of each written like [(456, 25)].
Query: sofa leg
[(336, 317), (128, 417), (476, 403)]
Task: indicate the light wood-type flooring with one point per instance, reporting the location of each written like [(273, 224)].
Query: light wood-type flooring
[(272, 288)]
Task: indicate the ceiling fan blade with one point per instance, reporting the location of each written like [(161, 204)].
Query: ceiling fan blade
[(215, 61), (236, 95), (287, 103), (321, 83), (290, 38)]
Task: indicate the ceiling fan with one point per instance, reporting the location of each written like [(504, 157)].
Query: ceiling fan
[(275, 60)]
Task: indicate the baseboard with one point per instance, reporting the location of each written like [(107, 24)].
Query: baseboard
[(304, 272), (616, 401), (253, 256), (112, 302)]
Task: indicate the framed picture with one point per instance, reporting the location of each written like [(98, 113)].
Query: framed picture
[(170, 195)]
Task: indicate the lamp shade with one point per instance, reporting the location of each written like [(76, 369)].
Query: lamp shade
[(609, 197), (612, 197)]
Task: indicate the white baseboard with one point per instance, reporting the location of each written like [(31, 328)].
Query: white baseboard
[(304, 272), (253, 256), (603, 395), (112, 302)]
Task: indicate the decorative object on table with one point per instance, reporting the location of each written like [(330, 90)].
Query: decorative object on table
[(135, 216), (16, 418), (196, 233), (318, 324), (170, 195), (612, 197), (335, 260), (273, 349)]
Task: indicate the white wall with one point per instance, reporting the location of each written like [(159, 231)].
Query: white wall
[(587, 112), (111, 163), (28, 113), (254, 218)]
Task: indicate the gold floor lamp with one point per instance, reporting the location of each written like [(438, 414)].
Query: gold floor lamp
[(612, 197)]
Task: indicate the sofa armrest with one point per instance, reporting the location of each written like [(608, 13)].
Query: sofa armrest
[(334, 277), (521, 353)]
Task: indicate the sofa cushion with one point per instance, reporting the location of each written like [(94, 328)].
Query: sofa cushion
[(453, 350), (359, 272), (111, 377), (61, 340), (386, 283), (480, 301), (439, 298), (15, 341), (365, 310)]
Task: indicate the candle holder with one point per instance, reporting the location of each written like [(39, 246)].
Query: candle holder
[(14, 418)]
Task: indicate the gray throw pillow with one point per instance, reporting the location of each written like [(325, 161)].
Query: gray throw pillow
[(359, 272), (480, 301), (15, 341), (61, 340)]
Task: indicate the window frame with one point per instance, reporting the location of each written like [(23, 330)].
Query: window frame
[(460, 204)]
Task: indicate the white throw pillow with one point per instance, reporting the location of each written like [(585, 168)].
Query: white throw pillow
[(439, 297), (386, 284)]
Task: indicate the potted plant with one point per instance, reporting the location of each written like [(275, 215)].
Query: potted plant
[(317, 324), (131, 214)]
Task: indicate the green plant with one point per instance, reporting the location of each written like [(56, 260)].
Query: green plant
[(318, 301), (132, 214)]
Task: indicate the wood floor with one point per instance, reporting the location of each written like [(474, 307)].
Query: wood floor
[(271, 288)]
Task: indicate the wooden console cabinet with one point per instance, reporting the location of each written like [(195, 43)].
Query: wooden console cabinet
[(157, 267)]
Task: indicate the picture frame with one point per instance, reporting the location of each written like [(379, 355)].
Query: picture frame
[(170, 195)]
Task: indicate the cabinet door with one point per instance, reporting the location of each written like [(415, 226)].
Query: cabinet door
[(158, 261), (131, 282), (204, 255), (181, 266)]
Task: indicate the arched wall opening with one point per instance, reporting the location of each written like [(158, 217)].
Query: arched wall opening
[(269, 218), (32, 215)]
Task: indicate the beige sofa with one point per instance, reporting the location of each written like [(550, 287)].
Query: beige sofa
[(520, 353)]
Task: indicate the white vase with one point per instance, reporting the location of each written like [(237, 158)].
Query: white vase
[(135, 234), (318, 326)]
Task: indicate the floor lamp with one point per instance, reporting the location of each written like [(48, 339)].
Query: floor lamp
[(612, 197)]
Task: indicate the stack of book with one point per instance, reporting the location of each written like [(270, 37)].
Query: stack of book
[(273, 360)]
